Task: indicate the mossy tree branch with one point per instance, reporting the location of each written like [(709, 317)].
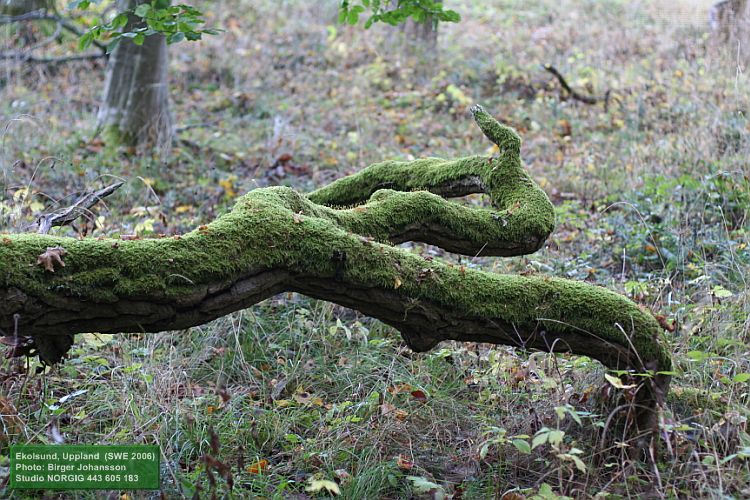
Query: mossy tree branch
[(276, 239)]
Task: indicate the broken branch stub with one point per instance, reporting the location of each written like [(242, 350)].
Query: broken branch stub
[(276, 239)]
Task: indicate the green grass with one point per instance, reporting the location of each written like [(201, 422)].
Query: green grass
[(652, 198)]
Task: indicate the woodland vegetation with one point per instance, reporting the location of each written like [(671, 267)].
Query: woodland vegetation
[(252, 183)]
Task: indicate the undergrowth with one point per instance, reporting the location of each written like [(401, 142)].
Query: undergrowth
[(652, 198)]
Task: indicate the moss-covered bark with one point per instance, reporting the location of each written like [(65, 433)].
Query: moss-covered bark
[(275, 240)]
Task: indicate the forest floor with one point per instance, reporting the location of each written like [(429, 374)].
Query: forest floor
[(652, 193)]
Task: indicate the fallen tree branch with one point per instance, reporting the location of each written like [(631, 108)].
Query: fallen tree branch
[(587, 99), (276, 239), (81, 207)]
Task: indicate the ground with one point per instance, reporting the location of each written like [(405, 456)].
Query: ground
[(651, 194)]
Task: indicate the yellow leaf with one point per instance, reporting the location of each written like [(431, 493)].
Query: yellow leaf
[(317, 485), (397, 282), (617, 383)]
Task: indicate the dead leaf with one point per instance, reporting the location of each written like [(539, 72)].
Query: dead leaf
[(399, 388), (318, 485), (404, 463), (9, 419), (342, 475), (617, 383), (419, 395), (258, 467), (564, 129), (53, 256), (387, 408), (401, 415)]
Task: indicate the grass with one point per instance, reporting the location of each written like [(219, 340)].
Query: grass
[(652, 197)]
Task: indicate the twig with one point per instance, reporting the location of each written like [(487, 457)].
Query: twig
[(196, 125), (40, 15), (48, 40), (28, 58), (587, 99), (77, 209)]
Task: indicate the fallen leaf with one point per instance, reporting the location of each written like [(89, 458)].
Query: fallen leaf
[(387, 408), (53, 256), (404, 463), (318, 485), (419, 395), (617, 383), (342, 475), (399, 388), (258, 467)]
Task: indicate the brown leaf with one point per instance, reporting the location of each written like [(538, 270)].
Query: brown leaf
[(419, 395), (258, 467), (400, 415), (53, 256), (404, 463), (564, 128), (399, 388), (10, 420), (387, 408)]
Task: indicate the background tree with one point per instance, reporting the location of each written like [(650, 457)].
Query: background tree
[(730, 24), (135, 104), (416, 39)]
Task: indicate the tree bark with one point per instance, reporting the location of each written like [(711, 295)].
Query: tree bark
[(276, 239), (135, 105), (416, 44), (730, 25)]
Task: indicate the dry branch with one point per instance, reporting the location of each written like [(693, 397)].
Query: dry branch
[(80, 208), (25, 57), (40, 15), (586, 99)]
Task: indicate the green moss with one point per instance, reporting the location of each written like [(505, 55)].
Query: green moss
[(114, 137), (522, 211)]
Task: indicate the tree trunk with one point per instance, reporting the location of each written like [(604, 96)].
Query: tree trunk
[(135, 107), (415, 44), (730, 25), (277, 240), (18, 7)]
